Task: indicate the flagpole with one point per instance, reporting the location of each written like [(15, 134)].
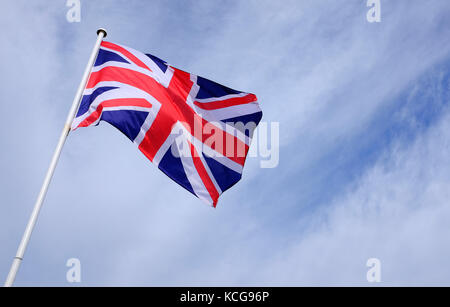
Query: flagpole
[(101, 33)]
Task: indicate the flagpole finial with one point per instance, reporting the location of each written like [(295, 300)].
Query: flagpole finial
[(102, 30)]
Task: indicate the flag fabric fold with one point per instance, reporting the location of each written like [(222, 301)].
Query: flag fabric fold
[(196, 131)]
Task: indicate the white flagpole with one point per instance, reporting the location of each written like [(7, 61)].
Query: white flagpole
[(101, 33)]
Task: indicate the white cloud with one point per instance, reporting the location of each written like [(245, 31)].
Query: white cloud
[(398, 212)]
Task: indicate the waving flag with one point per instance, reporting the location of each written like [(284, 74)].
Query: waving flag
[(196, 131)]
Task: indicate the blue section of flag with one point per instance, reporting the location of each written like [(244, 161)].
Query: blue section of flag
[(225, 177), (161, 64), (107, 56), (128, 122), (89, 99), (173, 167), (211, 89), (245, 119)]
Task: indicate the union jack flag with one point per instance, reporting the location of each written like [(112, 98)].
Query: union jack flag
[(167, 113)]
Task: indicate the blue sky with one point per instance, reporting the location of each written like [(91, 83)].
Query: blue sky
[(364, 146)]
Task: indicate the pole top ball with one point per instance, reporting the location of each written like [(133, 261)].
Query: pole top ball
[(102, 30)]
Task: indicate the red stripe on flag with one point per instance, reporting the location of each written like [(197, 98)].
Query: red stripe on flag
[(172, 110), (94, 116), (223, 142), (214, 105), (126, 53), (209, 185), (132, 78)]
